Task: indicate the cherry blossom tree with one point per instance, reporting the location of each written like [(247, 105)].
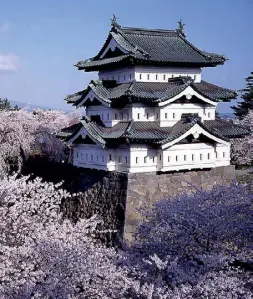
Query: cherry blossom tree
[(24, 133), (242, 149), (43, 255), (185, 239)]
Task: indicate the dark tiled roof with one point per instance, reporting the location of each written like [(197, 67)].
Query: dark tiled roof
[(226, 128), (151, 92), (152, 46), (150, 132)]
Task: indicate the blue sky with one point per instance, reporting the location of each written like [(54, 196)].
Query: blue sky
[(40, 41)]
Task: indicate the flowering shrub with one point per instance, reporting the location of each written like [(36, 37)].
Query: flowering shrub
[(186, 248), (23, 133), (242, 149)]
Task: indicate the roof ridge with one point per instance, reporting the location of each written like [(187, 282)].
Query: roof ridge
[(149, 30)]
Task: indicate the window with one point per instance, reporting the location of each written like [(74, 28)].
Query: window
[(118, 78), (160, 157), (164, 77), (127, 116), (140, 76), (102, 116), (153, 159), (126, 160), (112, 77), (174, 115), (86, 157), (124, 77), (130, 76), (157, 115), (137, 160), (185, 157), (122, 116), (216, 155), (110, 157), (172, 76), (195, 77), (116, 116), (119, 159), (103, 159), (192, 157), (138, 115), (208, 156), (97, 157), (108, 116), (77, 155), (91, 157), (200, 156), (166, 115), (156, 77), (145, 159), (147, 115), (148, 76), (209, 114), (223, 154), (168, 158), (176, 158)]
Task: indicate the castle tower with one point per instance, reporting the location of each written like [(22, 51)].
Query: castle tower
[(150, 110)]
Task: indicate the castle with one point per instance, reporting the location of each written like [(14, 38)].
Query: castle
[(150, 110)]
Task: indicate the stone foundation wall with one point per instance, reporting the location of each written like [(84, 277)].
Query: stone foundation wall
[(115, 197), (148, 188)]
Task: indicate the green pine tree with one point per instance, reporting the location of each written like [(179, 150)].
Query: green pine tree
[(243, 107), (5, 104)]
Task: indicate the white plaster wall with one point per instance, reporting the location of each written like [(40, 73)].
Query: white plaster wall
[(171, 114), (123, 75), (110, 116), (142, 158), (149, 74), (162, 74)]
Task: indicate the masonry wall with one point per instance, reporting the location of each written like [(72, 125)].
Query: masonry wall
[(114, 196), (148, 188)]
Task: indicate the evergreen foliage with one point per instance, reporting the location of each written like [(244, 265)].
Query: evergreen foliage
[(5, 104), (243, 107)]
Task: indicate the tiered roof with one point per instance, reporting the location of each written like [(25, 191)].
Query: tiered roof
[(112, 94), (148, 132), (152, 47)]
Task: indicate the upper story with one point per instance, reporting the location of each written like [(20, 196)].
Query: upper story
[(149, 54)]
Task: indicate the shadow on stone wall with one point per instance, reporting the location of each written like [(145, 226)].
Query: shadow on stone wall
[(100, 192)]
